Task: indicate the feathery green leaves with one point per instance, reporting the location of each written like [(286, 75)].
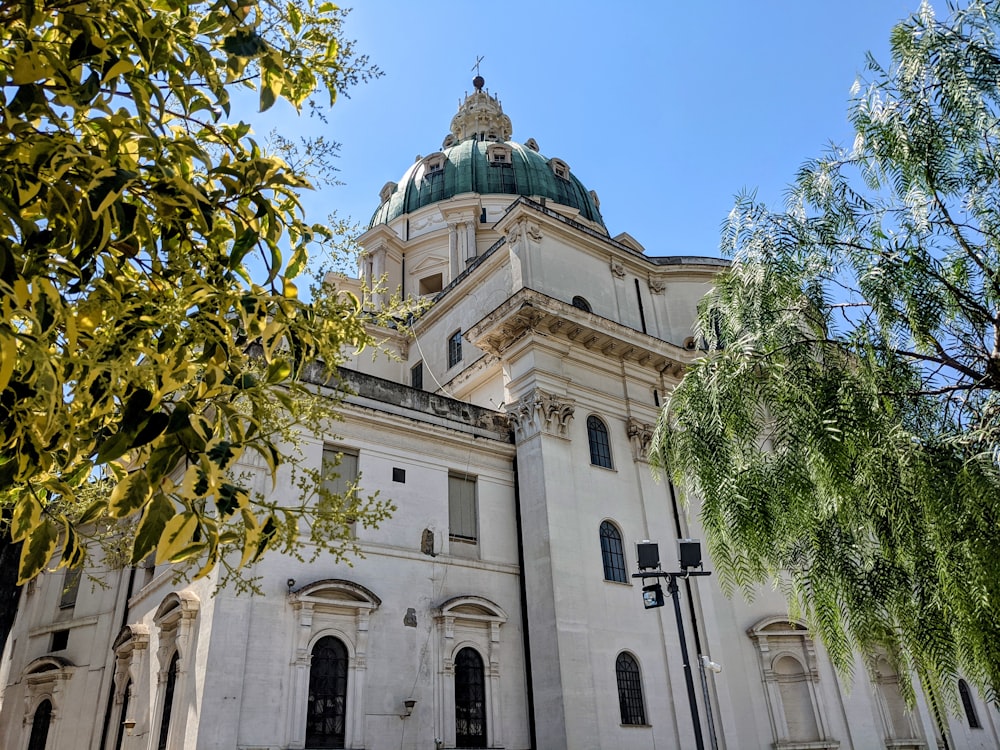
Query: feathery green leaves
[(842, 433)]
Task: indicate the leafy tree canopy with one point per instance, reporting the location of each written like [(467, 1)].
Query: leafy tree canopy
[(842, 429), (139, 362)]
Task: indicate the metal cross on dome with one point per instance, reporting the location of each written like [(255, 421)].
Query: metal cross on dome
[(479, 59)]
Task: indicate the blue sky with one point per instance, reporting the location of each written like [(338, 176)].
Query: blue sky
[(666, 109)]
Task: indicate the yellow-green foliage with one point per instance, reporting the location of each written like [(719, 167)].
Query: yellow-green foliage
[(138, 362)]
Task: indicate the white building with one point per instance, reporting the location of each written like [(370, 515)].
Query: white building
[(496, 608)]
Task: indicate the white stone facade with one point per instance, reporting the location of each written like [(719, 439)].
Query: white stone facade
[(569, 343)]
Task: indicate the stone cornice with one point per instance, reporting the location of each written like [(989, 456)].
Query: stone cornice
[(529, 311)]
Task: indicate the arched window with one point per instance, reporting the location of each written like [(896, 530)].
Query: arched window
[(612, 553), (470, 699), (168, 701), (629, 689), (581, 303), (40, 726), (600, 447), (326, 721), (968, 705), (123, 716)]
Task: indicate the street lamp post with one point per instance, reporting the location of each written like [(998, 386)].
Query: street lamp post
[(648, 555)]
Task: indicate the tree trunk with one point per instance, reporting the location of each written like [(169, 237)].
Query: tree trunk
[(10, 592)]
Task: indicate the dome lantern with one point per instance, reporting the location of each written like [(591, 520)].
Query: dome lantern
[(481, 116)]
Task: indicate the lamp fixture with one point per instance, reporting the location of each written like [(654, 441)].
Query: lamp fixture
[(408, 705), (711, 666)]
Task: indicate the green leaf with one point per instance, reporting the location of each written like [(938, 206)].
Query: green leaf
[(229, 498), (163, 459), (241, 247), (223, 453), (94, 511), (129, 495), (176, 536), (29, 69), (26, 517), (268, 95), (244, 43), (118, 69), (278, 371), (294, 17), (37, 550), (73, 553), (267, 534), (151, 526)]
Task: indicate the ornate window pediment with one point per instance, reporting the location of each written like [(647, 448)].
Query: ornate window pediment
[(498, 153), (387, 190), (790, 674), (559, 168), (337, 592), (466, 625), (433, 165), (331, 611), (44, 680)]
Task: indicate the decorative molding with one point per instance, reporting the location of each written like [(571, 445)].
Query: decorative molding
[(657, 286), (641, 437), (539, 411), (618, 269)]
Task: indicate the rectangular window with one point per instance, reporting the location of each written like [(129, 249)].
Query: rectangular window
[(340, 478), (417, 376), (463, 518), (455, 348), (71, 587), (60, 640)]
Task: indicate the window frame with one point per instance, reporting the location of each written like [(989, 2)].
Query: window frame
[(455, 348), (474, 621), (599, 441), (71, 588), (614, 562), (776, 637), (969, 705), (339, 665), (417, 376), (336, 471), (38, 738), (331, 607), (470, 698), (175, 621), (631, 700), (341, 471), (169, 697), (457, 507), (123, 716)]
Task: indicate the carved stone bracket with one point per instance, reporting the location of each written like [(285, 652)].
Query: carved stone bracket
[(540, 411), (641, 436), (519, 234), (618, 269), (657, 286)]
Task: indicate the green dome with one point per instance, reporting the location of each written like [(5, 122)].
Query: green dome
[(472, 166)]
